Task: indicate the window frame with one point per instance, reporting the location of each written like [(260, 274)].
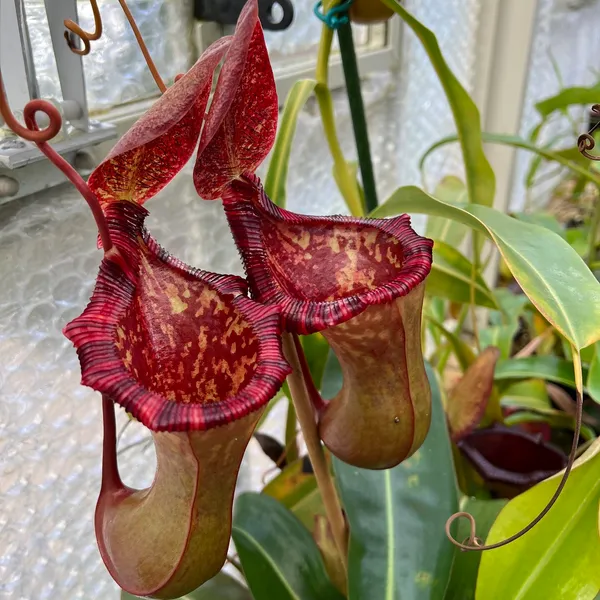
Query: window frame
[(25, 169)]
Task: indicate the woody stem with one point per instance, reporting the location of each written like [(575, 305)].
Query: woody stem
[(306, 418)]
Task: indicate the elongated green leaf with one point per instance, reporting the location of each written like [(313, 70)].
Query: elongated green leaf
[(558, 558), (398, 549), (466, 564), (450, 278), (549, 368), (543, 219), (548, 270), (220, 587), (512, 306), (279, 557), (450, 189), (461, 349), (567, 97), (500, 336), (593, 378), (316, 350), (529, 393), (275, 181), (481, 182), (518, 142)]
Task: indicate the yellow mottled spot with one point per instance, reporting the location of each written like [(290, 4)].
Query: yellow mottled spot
[(423, 579), (127, 359), (334, 244), (378, 256), (186, 293), (392, 258), (233, 348), (413, 480), (303, 240), (307, 255), (177, 305)]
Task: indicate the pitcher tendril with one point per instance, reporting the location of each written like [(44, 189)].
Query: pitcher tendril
[(85, 37), (586, 142), (473, 543), (74, 28), (40, 138)]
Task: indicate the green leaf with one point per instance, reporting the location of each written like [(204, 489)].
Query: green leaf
[(593, 378), (297, 491), (279, 557), (554, 278), (481, 182), (567, 97), (450, 278), (549, 368), (500, 336), (542, 219), (461, 349), (518, 142), (512, 306), (316, 350), (558, 558), (220, 587), (452, 190), (466, 564), (529, 393), (398, 548), (275, 181)]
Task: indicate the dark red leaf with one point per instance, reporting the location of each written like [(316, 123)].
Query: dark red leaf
[(242, 120), (178, 348), (156, 148)]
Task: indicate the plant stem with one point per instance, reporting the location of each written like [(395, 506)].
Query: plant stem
[(464, 311), (344, 177), (306, 418), (291, 446), (357, 112), (593, 237)]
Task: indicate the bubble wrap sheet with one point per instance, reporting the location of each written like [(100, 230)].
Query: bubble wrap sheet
[(50, 426)]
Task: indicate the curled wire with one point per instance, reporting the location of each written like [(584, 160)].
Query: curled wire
[(474, 543), (73, 29), (586, 142)]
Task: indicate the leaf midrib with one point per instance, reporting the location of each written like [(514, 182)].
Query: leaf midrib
[(571, 332), (269, 560)]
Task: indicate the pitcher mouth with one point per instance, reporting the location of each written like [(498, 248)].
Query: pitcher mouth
[(178, 348), (322, 271)]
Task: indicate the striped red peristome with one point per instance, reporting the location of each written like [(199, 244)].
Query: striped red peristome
[(179, 348), (322, 271), (241, 123)]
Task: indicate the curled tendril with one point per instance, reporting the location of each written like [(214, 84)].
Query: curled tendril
[(585, 142), (86, 37), (74, 28), (41, 137), (473, 543)]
